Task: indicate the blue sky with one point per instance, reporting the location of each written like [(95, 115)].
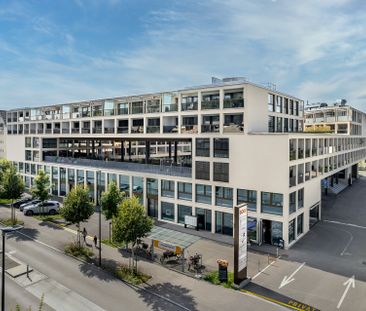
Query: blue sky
[(63, 51)]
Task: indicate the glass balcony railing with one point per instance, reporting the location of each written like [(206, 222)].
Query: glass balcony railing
[(189, 129), (234, 103), (170, 129), (210, 128), (85, 130), (56, 131), (97, 130), (137, 129), (169, 108), (136, 110), (210, 104), (122, 111), (75, 130), (109, 130), (122, 130), (65, 131), (153, 129), (189, 106)]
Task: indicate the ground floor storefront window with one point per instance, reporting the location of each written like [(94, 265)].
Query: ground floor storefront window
[(252, 229), (291, 231), (204, 218), (167, 211), (224, 223)]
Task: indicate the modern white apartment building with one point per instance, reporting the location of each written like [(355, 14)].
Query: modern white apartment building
[(196, 151), (338, 118)]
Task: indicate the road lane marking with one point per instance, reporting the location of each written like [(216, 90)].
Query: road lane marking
[(287, 280), (264, 269), (348, 244), (344, 223), (291, 304), (350, 282)]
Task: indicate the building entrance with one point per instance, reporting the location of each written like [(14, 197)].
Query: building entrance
[(266, 225)]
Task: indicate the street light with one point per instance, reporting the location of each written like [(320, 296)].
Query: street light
[(99, 175), (4, 231)]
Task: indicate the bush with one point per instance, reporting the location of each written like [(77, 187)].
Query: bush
[(213, 278), (129, 275), (78, 251)]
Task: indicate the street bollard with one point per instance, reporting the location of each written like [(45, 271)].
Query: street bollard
[(28, 271), (277, 251), (259, 265), (268, 258)]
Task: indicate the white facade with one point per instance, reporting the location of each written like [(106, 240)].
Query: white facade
[(198, 151)]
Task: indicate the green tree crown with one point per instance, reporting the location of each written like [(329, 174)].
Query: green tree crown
[(110, 200), (41, 189), (12, 184)]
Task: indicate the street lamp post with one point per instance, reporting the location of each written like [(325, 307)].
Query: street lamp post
[(5, 230), (100, 217)]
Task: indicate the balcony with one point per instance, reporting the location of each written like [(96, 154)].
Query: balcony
[(153, 129), (189, 129), (189, 106), (210, 104), (122, 111), (170, 108), (56, 131), (122, 130), (48, 131), (169, 170), (97, 130), (137, 129), (33, 131), (85, 130), (210, 128), (75, 131), (170, 129), (65, 131), (109, 130), (40, 131), (234, 103)]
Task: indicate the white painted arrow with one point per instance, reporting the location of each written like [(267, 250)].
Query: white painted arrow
[(287, 280), (348, 283)]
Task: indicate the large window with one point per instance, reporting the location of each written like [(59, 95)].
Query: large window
[(138, 188), (221, 172), (224, 223), (202, 170), (90, 183), (167, 211), (292, 202), (271, 124), (49, 143), (300, 224), (300, 198), (221, 147), (224, 196), (167, 188), (272, 203), (202, 147), (185, 191), (124, 184), (291, 231), (271, 102), (249, 197), (183, 210), (152, 187), (203, 194)]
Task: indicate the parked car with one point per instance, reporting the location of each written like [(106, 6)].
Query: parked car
[(22, 206), (48, 207), (22, 201)]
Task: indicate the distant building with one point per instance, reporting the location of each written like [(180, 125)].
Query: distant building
[(338, 119)]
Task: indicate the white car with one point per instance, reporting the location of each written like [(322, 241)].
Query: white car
[(22, 206), (48, 207)]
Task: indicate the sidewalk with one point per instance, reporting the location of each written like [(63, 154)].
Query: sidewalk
[(192, 293)]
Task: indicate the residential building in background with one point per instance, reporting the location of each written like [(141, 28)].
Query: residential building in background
[(338, 118), (197, 151)]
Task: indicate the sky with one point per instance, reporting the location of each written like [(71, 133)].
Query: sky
[(54, 52)]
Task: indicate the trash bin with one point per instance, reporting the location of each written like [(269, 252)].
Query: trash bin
[(223, 264)]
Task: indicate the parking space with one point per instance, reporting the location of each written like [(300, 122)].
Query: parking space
[(318, 271)]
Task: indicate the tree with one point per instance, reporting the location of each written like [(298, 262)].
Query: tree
[(4, 165), (77, 207), (110, 201), (12, 188), (131, 223), (42, 187)]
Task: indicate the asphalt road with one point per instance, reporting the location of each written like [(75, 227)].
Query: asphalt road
[(69, 284)]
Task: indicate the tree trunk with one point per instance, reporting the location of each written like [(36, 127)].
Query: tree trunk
[(78, 235), (12, 212)]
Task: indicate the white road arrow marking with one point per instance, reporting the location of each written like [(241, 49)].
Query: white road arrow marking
[(348, 283), (287, 280)]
